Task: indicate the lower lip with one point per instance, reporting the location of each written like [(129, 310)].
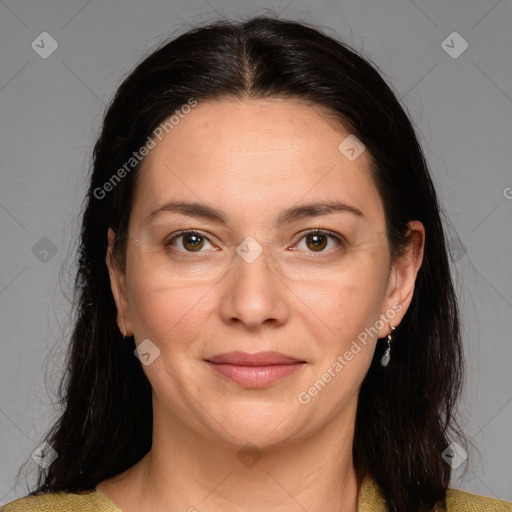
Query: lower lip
[(256, 376)]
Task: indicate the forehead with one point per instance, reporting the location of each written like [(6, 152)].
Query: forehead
[(239, 156)]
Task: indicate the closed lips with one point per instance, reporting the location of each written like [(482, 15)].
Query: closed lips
[(257, 359)]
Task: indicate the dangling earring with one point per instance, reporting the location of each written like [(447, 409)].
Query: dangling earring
[(123, 329), (384, 360)]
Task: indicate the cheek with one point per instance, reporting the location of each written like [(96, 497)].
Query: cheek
[(348, 300), (166, 311)]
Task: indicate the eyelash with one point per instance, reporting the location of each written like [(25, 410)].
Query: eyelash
[(318, 231)]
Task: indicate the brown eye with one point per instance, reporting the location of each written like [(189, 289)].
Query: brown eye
[(316, 241), (187, 241), (192, 241)]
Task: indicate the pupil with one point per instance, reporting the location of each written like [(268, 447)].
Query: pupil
[(318, 241), (193, 241)]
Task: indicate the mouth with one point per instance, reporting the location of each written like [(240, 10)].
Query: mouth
[(255, 370)]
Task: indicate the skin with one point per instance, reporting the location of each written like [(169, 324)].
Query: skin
[(252, 159)]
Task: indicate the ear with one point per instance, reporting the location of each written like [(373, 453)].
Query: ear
[(118, 287), (403, 278)]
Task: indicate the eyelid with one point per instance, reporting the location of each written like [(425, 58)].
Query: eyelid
[(168, 241), (321, 231)]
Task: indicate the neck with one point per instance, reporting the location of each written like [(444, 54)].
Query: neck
[(185, 470)]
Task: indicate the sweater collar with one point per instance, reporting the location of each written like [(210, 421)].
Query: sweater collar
[(370, 496)]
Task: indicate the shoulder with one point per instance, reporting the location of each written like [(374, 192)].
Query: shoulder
[(462, 501), (371, 499), (61, 502)]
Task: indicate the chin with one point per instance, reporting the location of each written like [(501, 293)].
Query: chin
[(257, 423)]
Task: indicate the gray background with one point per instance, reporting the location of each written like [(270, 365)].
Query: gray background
[(51, 110)]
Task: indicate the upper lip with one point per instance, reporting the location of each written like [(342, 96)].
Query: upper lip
[(257, 359)]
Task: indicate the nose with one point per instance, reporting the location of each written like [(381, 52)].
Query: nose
[(254, 295)]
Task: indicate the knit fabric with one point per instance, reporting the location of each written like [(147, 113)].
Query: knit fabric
[(62, 502), (370, 500)]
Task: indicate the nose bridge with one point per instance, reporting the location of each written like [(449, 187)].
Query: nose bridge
[(254, 292), (253, 259)]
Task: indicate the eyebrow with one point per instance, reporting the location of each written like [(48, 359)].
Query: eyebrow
[(316, 210), (289, 215), (191, 210)]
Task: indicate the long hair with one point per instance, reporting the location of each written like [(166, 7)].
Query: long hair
[(406, 411)]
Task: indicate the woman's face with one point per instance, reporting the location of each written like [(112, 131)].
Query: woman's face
[(258, 276)]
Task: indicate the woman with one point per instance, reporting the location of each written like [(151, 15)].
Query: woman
[(266, 315)]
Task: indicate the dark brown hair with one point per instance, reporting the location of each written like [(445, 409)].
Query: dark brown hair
[(405, 412)]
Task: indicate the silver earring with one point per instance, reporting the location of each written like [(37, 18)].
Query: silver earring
[(384, 360), (123, 329)]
